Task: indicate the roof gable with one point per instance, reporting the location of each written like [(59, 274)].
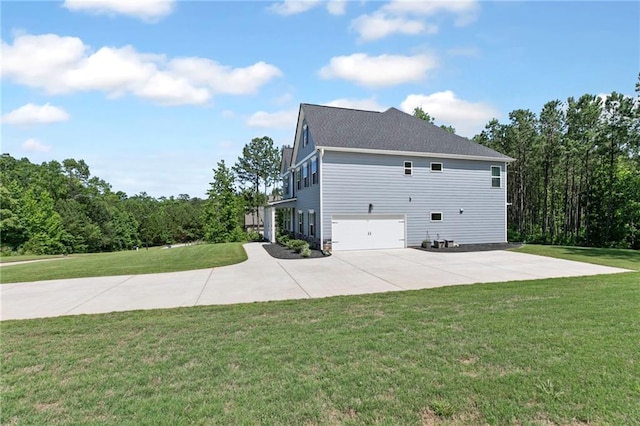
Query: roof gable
[(286, 158), (391, 130)]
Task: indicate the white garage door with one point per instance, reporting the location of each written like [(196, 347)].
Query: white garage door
[(372, 231)]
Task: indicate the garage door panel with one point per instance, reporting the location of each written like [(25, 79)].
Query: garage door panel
[(367, 232)]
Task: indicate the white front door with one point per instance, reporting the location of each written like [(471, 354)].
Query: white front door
[(367, 232)]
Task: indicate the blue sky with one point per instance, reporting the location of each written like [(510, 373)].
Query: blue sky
[(152, 94)]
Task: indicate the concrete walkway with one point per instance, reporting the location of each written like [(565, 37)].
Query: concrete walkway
[(263, 278)]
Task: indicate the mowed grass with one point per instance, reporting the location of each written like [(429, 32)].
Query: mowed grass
[(619, 258), (554, 351), (131, 262)]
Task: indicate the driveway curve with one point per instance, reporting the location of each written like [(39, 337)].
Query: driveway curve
[(263, 278)]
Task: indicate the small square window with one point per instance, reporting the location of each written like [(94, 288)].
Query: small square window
[(496, 179), (436, 167), (436, 216), (408, 168)]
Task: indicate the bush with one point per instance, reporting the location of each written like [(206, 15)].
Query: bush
[(253, 236), (306, 251), (283, 239), (297, 245)]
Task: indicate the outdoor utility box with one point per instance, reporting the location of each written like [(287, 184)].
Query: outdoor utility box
[(449, 243)]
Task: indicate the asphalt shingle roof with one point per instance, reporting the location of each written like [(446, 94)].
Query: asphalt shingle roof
[(391, 130), (287, 157)]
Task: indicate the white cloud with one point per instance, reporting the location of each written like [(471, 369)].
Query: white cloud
[(409, 17), (65, 64), (274, 120), (147, 10), (468, 118), (34, 145), (378, 25), (293, 7), (336, 7), (35, 114), (165, 89), (379, 71), (430, 8), (224, 79), (369, 104)]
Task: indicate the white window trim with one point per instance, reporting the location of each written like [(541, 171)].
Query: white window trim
[(436, 220), (410, 168), (436, 171), (496, 177)]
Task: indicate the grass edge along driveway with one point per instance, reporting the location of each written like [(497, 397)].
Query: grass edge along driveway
[(132, 262), (553, 351)]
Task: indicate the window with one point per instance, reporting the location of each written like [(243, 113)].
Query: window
[(436, 216), (312, 223), (314, 171), (408, 168), (496, 179), (305, 135), (288, 214), (305, 174), (300, 222), (436, 167), (298, 183), (285, 184)]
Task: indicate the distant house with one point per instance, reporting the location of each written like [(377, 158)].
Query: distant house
[(371, 180)]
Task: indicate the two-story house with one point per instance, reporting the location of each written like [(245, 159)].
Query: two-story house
[(371, 180)]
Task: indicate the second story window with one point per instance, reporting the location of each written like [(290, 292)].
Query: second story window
[(314, 171), (496, 177), (305, 175), (285, 185), (298, 182), (408, 168)]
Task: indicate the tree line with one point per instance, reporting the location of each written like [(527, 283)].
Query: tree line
[(576, 178), (59, 207)]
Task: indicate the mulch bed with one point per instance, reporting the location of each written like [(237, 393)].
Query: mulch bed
[(282, 252), (472, 247)]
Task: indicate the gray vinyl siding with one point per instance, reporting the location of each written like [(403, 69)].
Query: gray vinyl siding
[(303, 151), (306, 199), (352, 181)]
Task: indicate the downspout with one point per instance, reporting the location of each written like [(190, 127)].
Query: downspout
[(506, 194), (320, 162)]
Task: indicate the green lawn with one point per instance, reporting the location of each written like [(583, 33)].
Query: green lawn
[(127, 263), (555, 351), (619, 258)]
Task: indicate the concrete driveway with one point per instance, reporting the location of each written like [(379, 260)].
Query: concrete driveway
[(263, 278)]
